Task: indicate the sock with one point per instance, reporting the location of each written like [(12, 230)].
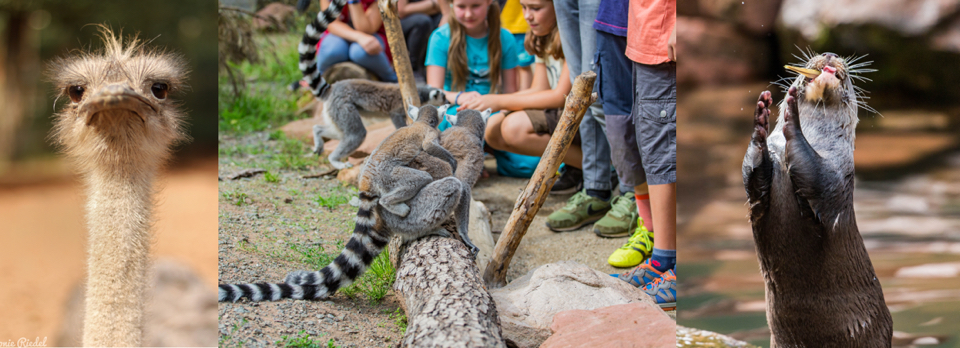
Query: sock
[(642, 196), (663, 259), (602, 194), (643, 208)]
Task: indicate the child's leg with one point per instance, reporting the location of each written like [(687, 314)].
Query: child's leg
[(378, 64), (655, 113), (521, 136), (333, 49), (615, 89)]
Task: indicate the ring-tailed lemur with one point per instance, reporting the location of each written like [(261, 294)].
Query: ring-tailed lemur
[(308, 46), (414, 203), (346, 101)]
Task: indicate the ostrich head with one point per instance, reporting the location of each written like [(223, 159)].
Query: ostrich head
[(119, 113)]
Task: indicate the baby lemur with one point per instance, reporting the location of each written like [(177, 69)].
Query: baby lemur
[(394, 199), (346, 101)]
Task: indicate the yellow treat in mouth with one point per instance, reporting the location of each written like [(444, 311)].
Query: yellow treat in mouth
[(809, 73)]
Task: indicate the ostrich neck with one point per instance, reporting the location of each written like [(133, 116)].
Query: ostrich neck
[(119, 214)]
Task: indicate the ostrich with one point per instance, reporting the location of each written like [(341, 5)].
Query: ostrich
[(118, 128)]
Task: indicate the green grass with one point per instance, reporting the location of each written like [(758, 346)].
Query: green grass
[(238, 199), (270, 177), (399, 319), (315, 255), (335, 199), (304, 341), (376, 281), (290, 153), (265, 102)]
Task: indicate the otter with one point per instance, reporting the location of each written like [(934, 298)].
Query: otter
[(821, 288)]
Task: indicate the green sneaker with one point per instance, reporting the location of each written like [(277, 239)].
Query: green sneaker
[(637, 249), (581, 210), (621, 220)]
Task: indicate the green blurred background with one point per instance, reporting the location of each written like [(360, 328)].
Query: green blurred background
[(33, 32)]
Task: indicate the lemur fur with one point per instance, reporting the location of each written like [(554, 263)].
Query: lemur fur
[(346, 101), (394, 199)]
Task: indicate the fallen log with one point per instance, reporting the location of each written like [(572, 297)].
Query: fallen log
[(444, 297)]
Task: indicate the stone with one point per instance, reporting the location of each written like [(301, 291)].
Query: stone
[(690, 337), (528, 304), (627, 325), (480, 233), (274, 16), (912, 17)]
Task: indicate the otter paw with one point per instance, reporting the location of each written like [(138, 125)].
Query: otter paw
[(791, 127), (761, 118)]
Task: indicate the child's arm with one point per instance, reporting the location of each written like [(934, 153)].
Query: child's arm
[(406, 8), (368, 21), (341, 29), (435, 76), (539, 96)]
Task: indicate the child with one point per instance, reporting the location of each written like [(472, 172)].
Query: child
[(471, 56), (458, 54), (511, 18), (537, 110), (357, 36)]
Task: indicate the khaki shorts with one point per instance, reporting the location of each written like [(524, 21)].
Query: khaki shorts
[(545, 121)]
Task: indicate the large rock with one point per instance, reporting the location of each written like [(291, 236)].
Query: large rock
[(527, 305), (690, 337), (181, 310), (274, 16), (636, 325), (480, 233), (756, 17), (907, 17)]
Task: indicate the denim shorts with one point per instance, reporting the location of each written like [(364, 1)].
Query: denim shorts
[(614, 70), (655, 114)]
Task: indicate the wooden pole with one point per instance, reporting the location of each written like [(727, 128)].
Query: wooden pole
[(533, 196), (401, 57)]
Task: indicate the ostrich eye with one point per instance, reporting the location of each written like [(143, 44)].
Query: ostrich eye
[(75, 93), (159, 90)]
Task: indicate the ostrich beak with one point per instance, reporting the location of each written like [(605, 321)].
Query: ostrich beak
[(115, 97)]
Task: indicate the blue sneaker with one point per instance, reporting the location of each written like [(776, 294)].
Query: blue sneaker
[(641, 275), (664, 290)]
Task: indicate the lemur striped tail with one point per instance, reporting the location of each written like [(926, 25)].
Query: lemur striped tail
[(308, 46), (364, 245)]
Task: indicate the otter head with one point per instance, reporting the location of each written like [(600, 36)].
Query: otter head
[(119, 107), (827, 79)]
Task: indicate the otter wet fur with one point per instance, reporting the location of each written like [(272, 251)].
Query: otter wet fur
[(821, 288), (346, 101), (395, 199)]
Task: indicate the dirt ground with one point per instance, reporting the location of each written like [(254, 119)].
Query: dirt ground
[(43, 236), (264, 237)]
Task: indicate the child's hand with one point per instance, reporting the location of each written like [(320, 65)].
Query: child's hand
[(481, 102), (465, 97), (370, 44)]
